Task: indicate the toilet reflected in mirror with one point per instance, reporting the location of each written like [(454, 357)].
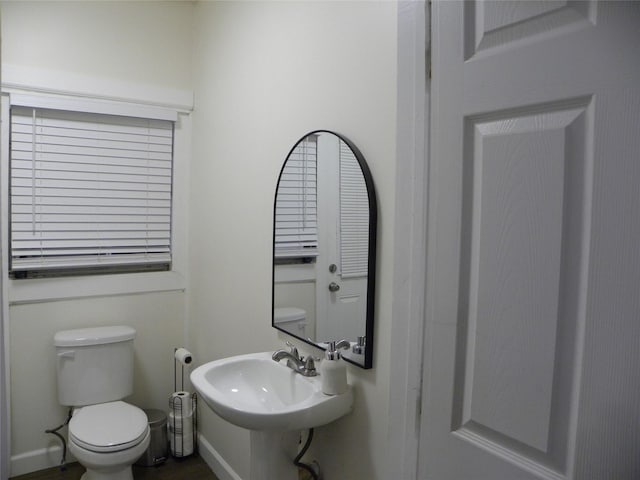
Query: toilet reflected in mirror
[(292, 320)]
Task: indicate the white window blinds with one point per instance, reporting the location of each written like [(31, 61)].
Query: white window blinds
[(354, 216), (296, 229), (89, 191)]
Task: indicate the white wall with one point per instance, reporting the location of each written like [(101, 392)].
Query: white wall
[(140, 42), (265, 74), (124, 48)]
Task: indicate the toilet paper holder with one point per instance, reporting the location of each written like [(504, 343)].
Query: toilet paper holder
[(182, 421)]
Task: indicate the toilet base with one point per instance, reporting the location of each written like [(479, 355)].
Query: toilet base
[(123, 474), (109, 466)]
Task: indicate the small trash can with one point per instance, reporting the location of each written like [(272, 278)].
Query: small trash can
[(157, 450)]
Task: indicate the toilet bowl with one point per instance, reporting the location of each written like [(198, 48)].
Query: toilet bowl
[(108, 438), (95, 372)]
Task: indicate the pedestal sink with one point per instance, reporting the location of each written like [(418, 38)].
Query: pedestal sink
[(272, 401)]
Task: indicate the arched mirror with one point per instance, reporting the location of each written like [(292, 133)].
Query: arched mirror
[(324, 245)]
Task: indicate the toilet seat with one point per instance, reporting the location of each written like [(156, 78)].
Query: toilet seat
[(108, 427)]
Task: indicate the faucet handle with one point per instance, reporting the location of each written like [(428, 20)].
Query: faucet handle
[(359, 347), (310, 367)]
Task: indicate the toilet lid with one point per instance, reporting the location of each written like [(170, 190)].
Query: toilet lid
[(108, 427)]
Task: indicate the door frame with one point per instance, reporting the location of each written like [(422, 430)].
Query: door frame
[(5, 426), (410, 239), (5, 387)]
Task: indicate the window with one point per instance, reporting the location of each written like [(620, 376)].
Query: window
[(89, 193), (296, 229)]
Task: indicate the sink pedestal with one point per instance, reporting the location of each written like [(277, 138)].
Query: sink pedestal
[(271, 401), (272, 454)]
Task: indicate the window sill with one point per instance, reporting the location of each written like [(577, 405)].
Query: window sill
[(52, 289)]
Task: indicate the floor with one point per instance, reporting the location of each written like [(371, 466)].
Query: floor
[(189, 468)]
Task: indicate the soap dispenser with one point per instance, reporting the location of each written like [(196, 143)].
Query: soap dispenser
[(333, 370)]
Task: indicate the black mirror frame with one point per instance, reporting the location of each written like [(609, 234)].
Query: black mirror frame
[(371, 266)]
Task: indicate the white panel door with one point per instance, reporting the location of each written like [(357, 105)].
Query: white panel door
[(532, 339), (341, 313)]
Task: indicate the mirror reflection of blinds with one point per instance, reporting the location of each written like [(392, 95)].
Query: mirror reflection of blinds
[(89, 190), (296, 222), (354, 216)]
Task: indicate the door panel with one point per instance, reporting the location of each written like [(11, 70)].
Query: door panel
[(532, 265), (490, 25), (524, 175)]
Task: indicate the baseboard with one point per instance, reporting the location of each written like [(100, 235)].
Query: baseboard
[(37, 460), (43, 458), (215, 461)]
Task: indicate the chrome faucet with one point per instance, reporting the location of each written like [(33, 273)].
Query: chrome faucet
[(305, 367)]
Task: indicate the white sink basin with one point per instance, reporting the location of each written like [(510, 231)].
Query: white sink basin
[(257, 393)]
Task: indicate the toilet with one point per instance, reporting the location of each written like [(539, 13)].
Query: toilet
[(291, 319), (95, 372)]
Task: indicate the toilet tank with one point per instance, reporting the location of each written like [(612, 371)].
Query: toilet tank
[(94, 365), (291, 319)]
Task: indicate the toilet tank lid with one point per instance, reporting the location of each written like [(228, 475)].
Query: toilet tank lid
[(288, 314), (93, 336)]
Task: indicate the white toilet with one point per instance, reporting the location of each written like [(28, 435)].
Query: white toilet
[(95, 372), (291, 319)]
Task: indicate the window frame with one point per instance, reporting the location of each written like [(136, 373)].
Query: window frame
[(43, 289)]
